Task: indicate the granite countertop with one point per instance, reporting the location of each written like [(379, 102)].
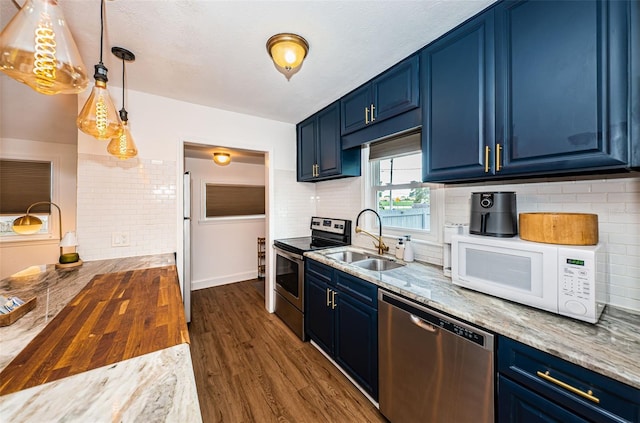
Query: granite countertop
[(611, 347), (158, 386), (148, 388)]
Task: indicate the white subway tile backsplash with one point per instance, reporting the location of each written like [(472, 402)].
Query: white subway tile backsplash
[(138, 197)]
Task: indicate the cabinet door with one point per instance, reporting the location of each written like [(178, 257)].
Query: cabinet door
[(356, 347), (458, 102), (328, 149), (397, 90), (518, 404), (561, 88), (306, 149), (319, 316), (353, 109)]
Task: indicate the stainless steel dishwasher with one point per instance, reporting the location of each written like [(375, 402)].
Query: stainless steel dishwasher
[(433, 368)]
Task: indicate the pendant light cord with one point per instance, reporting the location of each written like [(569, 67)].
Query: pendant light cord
[(101, 27)]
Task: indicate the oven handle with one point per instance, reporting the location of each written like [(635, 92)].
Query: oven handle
[(287, 254)]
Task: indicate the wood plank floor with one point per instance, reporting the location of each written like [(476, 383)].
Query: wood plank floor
[(249, 367)]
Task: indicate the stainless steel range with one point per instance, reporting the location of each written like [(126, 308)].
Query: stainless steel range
[(325, 233)]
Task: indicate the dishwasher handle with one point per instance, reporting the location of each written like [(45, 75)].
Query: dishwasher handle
[(422, 324)]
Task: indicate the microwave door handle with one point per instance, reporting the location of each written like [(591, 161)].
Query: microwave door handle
[(483, 222)]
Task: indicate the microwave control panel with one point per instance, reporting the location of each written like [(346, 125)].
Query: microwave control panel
[(577, 272)]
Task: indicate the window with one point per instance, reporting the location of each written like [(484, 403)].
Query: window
[(23, 183), (405, 204), (233, 200)]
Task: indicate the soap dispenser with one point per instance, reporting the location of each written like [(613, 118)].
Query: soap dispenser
[(400, 249), (408, 249)]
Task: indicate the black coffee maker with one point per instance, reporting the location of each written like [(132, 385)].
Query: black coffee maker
[(494, 214)]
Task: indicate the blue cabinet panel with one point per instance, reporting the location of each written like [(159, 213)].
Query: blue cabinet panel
[(319, 317), (320, 153), (607, 400), (518, 404), (393, 92), (458, 101), (356, 346), (341, 316), (561, 87)]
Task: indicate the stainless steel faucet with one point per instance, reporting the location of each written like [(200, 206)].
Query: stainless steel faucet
[(380, 245)]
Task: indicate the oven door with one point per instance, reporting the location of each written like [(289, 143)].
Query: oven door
[(290, 277)]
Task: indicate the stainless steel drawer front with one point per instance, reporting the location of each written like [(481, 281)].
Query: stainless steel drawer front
[(432, 367)]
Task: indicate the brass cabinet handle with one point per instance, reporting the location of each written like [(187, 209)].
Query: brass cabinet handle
[(328, 298), (486, 159), (373, 117), (498, 148), (588, 395), (366, 115), (333, 300), (316, 170)]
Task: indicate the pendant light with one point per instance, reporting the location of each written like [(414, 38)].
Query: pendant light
[(37, 49), (98, 116), (287, 52), (122, 146)]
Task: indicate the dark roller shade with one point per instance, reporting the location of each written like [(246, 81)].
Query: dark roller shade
[(234, 200), (23, 183)]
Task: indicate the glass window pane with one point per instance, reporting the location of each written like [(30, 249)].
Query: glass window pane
[(405, 208), (401, 170)]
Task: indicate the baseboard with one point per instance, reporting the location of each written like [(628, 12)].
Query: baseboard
[(223, 280)]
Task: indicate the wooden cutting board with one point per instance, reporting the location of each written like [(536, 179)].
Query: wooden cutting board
[(559, 228), (117, 316)]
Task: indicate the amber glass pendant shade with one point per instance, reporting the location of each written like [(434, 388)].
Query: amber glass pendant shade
[(37, 49), (123, 146), (27, 225), (98, 116)]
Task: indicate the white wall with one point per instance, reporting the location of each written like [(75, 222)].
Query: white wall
[(616, 200), (160, 126), (15, 256), (222, 251)]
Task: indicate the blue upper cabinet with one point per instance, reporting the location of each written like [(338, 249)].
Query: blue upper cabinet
[(458, 102), (320, 153), (561, 87), (390, 94)]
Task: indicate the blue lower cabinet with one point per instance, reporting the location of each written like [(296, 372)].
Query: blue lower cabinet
[(534, 386), (518, 404), (341, 317)]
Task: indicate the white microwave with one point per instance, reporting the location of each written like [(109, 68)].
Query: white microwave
[(563, 279)]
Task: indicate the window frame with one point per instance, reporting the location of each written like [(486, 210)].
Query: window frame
[(52, 223), (436, 203)]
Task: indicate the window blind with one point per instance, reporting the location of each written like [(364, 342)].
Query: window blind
[(234, 200), (396, 146), (23, 183)]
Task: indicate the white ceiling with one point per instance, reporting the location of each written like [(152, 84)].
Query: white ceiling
[(213, 53)]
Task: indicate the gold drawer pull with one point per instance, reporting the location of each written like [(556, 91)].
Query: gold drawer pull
[(588, 395), (486, 159)]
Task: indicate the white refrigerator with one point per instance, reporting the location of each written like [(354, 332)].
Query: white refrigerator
[(186, 264)]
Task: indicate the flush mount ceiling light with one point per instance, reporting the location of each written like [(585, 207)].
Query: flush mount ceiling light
[(222, 159), (98, 116), (287, 52), (37, 49), (122, 145)]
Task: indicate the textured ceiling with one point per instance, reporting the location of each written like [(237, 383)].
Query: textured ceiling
[(213, 53)]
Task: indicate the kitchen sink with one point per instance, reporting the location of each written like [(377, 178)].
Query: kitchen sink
[(378, 264), (348, 256)]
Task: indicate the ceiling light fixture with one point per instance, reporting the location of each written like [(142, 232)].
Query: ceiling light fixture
[(222, 159), (98, 116), (37, 49), (122, 146), (287, 52)]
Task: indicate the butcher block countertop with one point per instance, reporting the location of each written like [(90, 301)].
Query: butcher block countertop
[(99, 346)]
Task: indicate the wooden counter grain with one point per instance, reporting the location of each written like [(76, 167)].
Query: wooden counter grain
[(117, 316)]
